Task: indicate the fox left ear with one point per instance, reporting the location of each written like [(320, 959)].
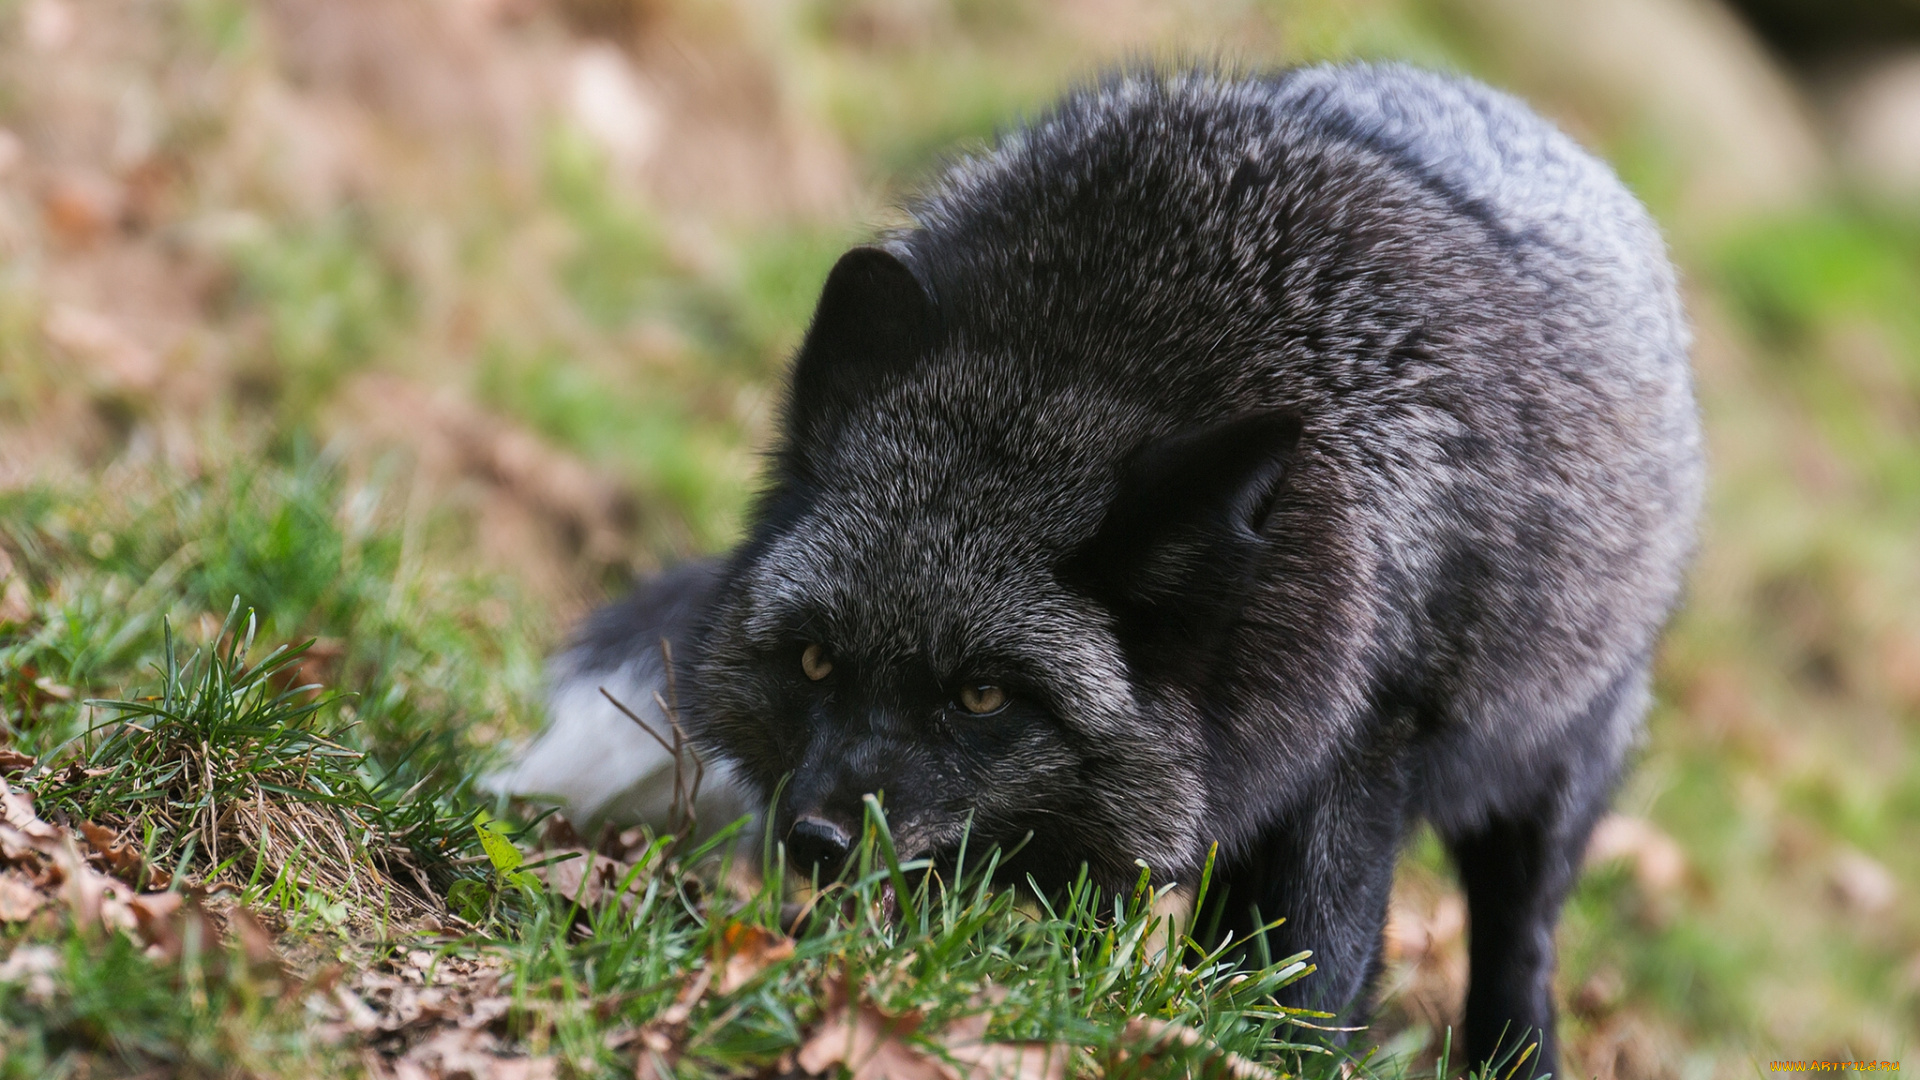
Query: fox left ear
[(1184, 532), (873, 318)]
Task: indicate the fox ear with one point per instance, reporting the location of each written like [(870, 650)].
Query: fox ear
[(1184, 532), (874, 316)]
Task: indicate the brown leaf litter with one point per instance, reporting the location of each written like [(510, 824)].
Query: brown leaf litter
[(1149, 1039), (1659, 864), (665, 1039), (422, 1015), (854, 1032), (426, 1014), (461, 1054), (590, 874), (874, 1044), (1426, 956), (588, 878), (741, 953), (746, 950), (91, 874)]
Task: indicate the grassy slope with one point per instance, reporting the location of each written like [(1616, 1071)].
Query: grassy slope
[(643, 335)]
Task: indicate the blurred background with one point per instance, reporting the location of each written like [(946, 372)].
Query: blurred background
[(424, 325)]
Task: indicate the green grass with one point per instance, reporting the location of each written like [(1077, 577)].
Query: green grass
[(310, 552), (617, 267), (1074, 973)]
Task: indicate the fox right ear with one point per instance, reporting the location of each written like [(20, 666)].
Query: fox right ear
[(1187, 525), (874, 317)]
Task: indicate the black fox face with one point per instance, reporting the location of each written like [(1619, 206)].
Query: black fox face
[(975, 690), (982, 745)]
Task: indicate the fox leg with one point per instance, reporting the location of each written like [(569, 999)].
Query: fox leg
[(1326, 868), (1517, 867)]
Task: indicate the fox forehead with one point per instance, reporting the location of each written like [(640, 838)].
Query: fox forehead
[(913, 586)]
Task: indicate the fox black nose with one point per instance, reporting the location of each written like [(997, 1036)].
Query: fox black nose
[(818, 845)]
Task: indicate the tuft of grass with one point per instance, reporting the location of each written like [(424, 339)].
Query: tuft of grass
[(235, 771)]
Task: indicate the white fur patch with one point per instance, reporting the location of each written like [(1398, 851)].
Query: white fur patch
[(599, 765)]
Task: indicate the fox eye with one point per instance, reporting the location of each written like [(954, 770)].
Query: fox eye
[(816, 661), (983, 700)]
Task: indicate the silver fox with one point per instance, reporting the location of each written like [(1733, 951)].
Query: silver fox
[(1271, 462)]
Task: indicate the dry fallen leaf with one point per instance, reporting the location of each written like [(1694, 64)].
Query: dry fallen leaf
[(114, 357), (358, 1016), (122, 860), (690, 995), (94, 898), (256, 941), (1600, 994), (16, 603), (876, 1045), (658, 1051), (482, 1012), (454, 1052), (1658, 862), (966, 1045), (18, 898), (13, 761), (81, 206), (1862, 884), (155, 916), (745, 950), (1011, 1061), (172, 924), (872, 1045), (650, 1066), (1147, 1034), (1420, 938), (20, 815), (583, 876), (418, 1007), (76, 773), (34, 966)]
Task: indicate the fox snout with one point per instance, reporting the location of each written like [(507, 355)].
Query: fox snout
[(824, 803), (818, 846), (824, 806)]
